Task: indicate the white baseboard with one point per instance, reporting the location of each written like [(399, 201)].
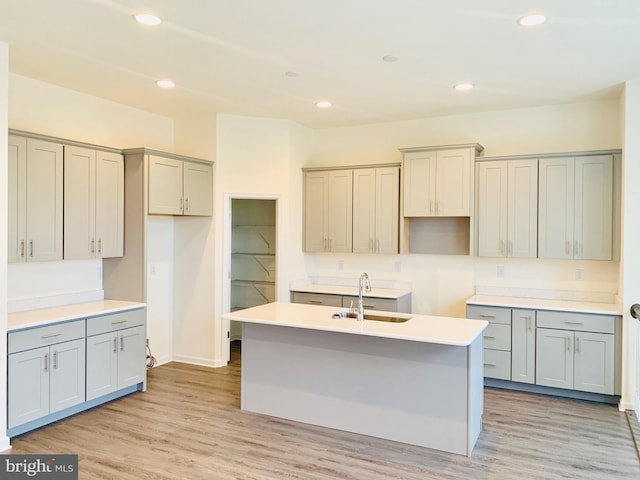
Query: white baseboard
[(203, 362), (5, 445)]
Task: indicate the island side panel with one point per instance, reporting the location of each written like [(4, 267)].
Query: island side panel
[(476, 391), (411, 392)]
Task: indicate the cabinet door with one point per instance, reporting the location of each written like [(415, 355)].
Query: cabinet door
[(594, 362), (198, 189), (364, 210), (556, 208), (593, 207), (453, 183), (340, 210), (165, 186), (554, 358), (387, 210), (131, 356), (67, 377), (44, 200), (419, 184), (492, 209), (523, 346), (102, 364), (522, 210), (109, 205), (16, 236), (79, 203), (316, 210), (28, 386)]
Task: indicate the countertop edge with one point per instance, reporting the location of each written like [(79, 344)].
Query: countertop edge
[(48, 316), (546, 304)]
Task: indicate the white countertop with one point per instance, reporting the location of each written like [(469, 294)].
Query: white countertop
[(419, 328), (44, 316), (349, 290), (547, 304)]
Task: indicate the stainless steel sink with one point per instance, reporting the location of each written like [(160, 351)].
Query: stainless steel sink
[(372, 316)]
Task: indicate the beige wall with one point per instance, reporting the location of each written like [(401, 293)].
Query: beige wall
[(4, 124)]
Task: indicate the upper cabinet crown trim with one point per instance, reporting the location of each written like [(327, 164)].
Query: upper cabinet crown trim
[(174, 156), (350, 167), (63, 141), (534, 156), (478, 148)]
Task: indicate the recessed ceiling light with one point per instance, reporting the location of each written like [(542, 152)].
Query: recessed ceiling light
[(390, 58), (292, 74), (462, 87), (147, 19), (532, 20), (165, 83), (323, 104)]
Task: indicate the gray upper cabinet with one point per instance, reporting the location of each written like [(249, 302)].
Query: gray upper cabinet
[(35, 200), (576, 208)]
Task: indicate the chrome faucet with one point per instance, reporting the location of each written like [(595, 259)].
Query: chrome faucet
[(362, 283)]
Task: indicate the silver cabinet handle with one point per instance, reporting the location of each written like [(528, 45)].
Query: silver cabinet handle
[(567, 342), (431, 207), (315, 302), (567, 248), (115, 344), (573, 323), (51, 335), (576, 249), (528, 323), (487, 315), (46, 362), (93, 245), (55, 360), (438, 207), (122, 343), (186, 204), (369, 307), (181, 205), (100, 246), (490, 365), (489, 336), (118, 322), (576, 347), (31, 248), (22, 248)]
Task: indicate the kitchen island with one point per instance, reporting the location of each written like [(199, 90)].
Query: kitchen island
[(419, 381)]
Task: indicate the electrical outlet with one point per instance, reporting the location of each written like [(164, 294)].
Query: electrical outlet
[(147, 342), (152, 268), (579, 273), (500, 271)]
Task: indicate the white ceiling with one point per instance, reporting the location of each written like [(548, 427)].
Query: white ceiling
[(230, 56)]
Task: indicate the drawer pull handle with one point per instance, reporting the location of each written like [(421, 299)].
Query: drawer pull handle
[(118, 322), (51, 335), (55, 360), (370, 307), (487, 315), (122, 343), (315, 302), (115, 344), (489, 336), (490, 365), (46, 362), (574, 323)]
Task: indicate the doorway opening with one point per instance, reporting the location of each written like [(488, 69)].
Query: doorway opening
[(253, 256)]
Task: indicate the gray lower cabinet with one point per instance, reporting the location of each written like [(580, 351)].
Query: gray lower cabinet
[(60, 369), (576, 351), (401, 304), (116, 352), (45, 379), (573, 351)]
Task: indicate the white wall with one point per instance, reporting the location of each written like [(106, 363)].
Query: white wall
[(4, 173), (442, 283), (262, 158), (630, 276), (48, 109)]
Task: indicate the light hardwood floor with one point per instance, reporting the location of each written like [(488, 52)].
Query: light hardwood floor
[(188, 426)]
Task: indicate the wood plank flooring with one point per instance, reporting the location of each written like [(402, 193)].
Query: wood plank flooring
[(188, 426)]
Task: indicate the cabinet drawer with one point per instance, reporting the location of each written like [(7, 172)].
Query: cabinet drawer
[(371, 303), (497, 336), (497, 364), (582, 322), (115, 321), (46, 335), (317, 299), (490, 314)]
